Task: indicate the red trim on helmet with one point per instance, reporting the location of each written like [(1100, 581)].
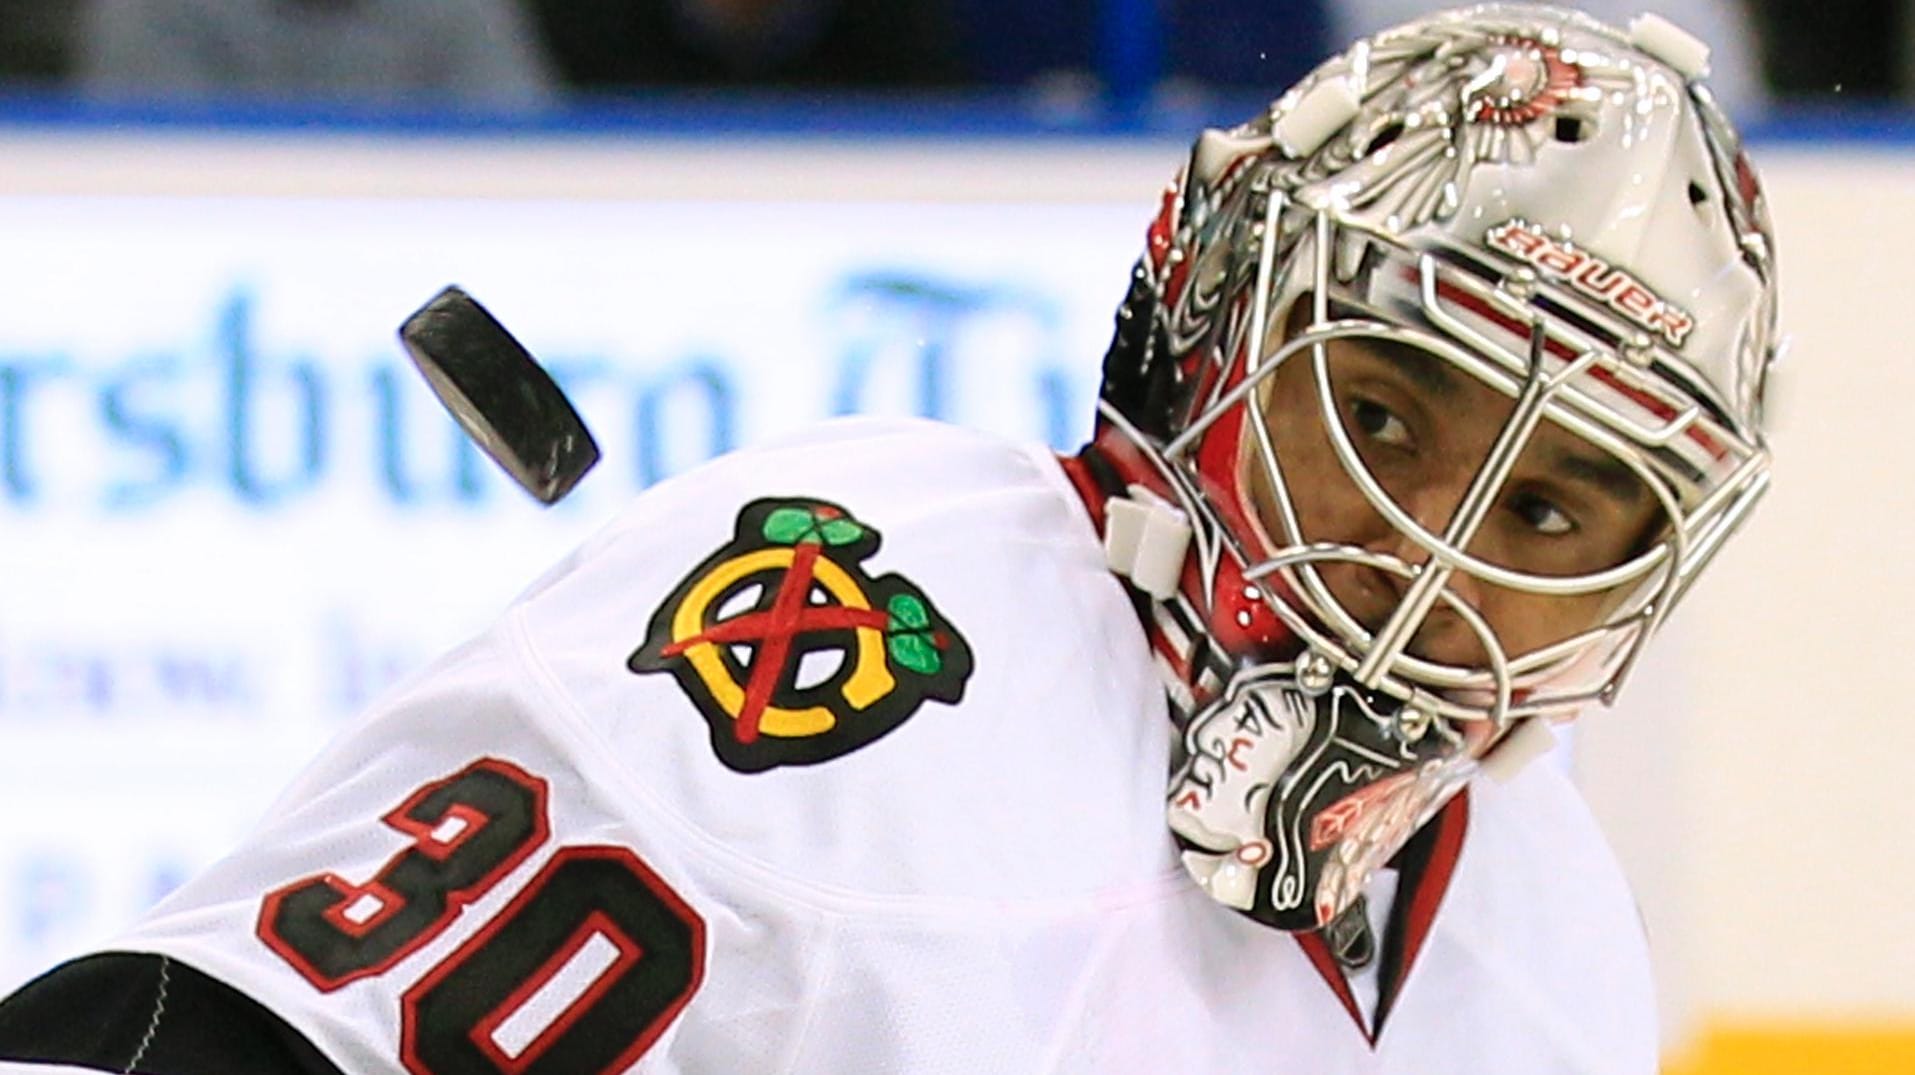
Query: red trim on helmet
[(1560, 79), (1179, 662), (1160, 240), (1660, 408)]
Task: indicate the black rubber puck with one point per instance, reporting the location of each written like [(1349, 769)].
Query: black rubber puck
[(501, 396)]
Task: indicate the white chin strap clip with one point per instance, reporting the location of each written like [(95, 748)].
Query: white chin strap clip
[(1145, 540), (1531, 738)]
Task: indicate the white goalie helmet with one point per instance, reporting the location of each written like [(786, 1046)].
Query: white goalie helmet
[(1509, 237)]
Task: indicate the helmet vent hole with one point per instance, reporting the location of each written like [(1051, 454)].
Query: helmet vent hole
[(1383, 138), (1696, 194), (1573, 129)]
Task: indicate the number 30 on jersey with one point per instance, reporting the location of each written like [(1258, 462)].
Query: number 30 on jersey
[(580, 973)]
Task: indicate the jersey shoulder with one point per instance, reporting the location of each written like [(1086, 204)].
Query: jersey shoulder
[(1538, 950), (972, 759), (881, 656)]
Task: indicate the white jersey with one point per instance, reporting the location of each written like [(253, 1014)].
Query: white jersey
[(847, 755)]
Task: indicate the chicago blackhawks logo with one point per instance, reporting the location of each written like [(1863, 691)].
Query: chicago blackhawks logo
[(792, 653)]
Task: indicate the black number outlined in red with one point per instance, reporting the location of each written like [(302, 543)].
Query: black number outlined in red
[(468, 832), (451, 1018)]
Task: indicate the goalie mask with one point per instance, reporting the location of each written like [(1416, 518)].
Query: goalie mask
[(1437, 386)]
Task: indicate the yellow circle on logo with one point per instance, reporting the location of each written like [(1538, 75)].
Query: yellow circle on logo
[(870, 678)]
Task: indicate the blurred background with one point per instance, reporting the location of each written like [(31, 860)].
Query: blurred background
[(229, 514)]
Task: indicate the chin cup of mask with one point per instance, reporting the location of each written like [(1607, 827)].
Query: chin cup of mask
[(1295, 783)]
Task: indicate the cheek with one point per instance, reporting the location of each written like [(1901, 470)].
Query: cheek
[(1312, 489), (1319, 489), (1525, 621)]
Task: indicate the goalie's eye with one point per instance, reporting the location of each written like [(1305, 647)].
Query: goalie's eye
[(1380, 424), (1541, 514)]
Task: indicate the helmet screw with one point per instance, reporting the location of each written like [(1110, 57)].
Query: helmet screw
[(1637, 349), (1521, 282), (1412, 723), (1315, 673)]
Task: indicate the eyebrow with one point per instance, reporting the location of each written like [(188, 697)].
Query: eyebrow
[(1430, 373), (1602, 472)]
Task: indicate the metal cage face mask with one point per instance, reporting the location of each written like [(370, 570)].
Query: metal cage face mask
[(1463, 498), (1452, 365)]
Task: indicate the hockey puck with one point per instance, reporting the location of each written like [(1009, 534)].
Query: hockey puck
[(499, 394)]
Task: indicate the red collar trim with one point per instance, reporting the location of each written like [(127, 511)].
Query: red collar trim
[(1318, 951), (1089, 489), (1426, 865), (1427, 862)]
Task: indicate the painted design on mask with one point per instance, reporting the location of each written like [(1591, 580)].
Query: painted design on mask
[(1454, 97), (1285, 800)]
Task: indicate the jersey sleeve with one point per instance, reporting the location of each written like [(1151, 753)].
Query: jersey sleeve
[(122, 1011), (443, 889)]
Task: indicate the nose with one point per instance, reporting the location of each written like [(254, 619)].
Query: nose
[(1432, 505)]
